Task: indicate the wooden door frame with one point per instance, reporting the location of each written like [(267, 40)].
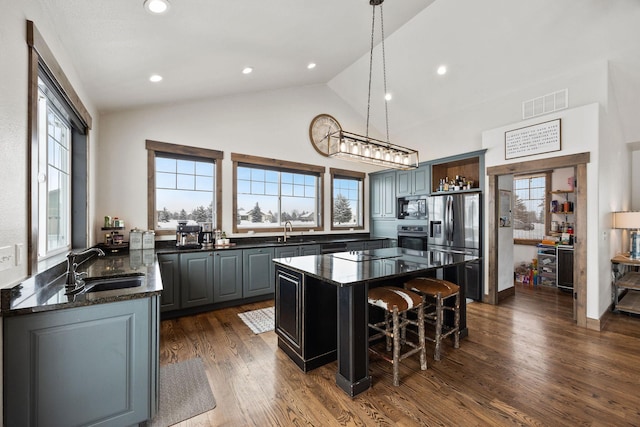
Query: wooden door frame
[(577, 161)]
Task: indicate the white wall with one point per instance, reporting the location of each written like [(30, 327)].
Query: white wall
[(269, 124), (580, 133)]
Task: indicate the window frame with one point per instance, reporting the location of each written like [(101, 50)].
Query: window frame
[(42, 60), (354, 175), (163, 148), (280, 166), (547, 197)]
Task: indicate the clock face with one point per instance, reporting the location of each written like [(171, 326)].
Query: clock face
[(322, 126)]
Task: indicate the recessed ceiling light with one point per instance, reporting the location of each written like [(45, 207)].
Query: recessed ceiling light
[(311, 65), (442, 70), (247, 70), (155, 78), (156, 6), (388, 97)]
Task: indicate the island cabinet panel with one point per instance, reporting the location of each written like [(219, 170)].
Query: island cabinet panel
[(94, 365), (306, 313), (227, 275), (258, 276), (196, 271), (169, 265)]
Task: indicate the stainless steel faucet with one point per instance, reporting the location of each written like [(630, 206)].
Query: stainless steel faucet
[(285, 230), (74, 281)]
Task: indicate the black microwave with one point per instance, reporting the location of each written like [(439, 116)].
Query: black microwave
[(412, 208)]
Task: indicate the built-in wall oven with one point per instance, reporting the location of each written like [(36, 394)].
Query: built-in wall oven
[(413, 237)]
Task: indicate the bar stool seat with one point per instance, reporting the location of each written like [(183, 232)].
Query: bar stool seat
[(435, 294), (396, 302)]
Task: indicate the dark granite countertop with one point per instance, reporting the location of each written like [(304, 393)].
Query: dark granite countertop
[(351, 268), (266, 242), (47, 293)]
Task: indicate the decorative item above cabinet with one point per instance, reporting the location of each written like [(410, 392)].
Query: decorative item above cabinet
[(456, 175)]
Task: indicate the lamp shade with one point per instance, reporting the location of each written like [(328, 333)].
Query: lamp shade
[(626, 220)]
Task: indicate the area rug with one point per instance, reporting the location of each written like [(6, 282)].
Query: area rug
[(259, 321), (184, 392)]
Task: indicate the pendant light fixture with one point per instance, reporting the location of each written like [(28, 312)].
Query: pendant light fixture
[(361, 148)]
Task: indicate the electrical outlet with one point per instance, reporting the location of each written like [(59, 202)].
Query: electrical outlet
[(7, 257)]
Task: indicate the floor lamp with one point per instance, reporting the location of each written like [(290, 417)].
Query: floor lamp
[(629, 221)]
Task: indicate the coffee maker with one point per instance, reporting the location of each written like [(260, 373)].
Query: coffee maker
[(187, 236), (206, 235)]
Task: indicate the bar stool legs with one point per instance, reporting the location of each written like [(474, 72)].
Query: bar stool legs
[(396, 302), (435, 293)]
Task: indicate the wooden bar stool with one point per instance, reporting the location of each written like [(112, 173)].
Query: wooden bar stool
[(396, 302), (435, 294)]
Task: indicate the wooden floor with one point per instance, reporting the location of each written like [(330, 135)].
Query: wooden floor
[(523, 363)]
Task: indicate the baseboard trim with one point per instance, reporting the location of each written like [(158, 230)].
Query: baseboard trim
[(506, 293)]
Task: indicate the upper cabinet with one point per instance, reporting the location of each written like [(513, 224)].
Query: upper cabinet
[(412, 182), (383, 195), (458, 173)]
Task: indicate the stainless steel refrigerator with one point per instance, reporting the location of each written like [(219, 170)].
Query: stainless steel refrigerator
[(455, 225)]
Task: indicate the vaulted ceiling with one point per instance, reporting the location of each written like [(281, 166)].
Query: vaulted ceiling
[(200, 47)]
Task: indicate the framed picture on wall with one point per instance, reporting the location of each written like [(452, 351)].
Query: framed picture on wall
[(530, 140)]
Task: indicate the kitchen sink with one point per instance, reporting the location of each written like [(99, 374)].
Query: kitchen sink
[(112, 283)]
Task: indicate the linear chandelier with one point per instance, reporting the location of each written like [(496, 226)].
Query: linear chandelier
[(351, 146)]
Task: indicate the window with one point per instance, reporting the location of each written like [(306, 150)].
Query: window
[(529, 206), (185, 186), (269, 193), (58, 128), (54, 176), (347, 201)]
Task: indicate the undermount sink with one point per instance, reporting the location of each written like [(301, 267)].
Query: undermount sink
[(112, 283)]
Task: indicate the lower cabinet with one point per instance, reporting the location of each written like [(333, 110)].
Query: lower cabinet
[(169, 265), (196, 279), (257, 277), (95, 365), (227, 275), (300, 250)]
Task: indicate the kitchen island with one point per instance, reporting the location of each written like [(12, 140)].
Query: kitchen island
[(321, 304)]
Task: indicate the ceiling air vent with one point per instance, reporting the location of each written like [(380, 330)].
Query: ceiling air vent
[(545, 104)]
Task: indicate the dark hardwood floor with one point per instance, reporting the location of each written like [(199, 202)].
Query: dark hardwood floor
[(523, 363)]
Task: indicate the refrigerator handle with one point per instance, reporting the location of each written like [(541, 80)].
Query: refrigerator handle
[(449, 220)]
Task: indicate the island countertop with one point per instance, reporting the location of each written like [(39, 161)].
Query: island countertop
[(356, 267)]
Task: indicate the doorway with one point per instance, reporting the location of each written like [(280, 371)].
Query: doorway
[(579, 162)]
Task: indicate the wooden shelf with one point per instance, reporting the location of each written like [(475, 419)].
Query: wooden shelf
[(469, 168), (561, 192), (630, 303), (630, 280)]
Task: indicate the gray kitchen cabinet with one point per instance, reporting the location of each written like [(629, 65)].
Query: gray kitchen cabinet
[(374, 244), (257, 278), (383, 195), (227, 275), (91, 365), (413, 182), (196, 279), (310, 250), (300, 250), (169, 265), (355, 246)]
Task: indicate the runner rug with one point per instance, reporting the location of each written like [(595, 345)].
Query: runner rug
[(259, 321), (184, 392)]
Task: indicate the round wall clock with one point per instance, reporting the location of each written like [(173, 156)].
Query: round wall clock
[(321, 127)]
